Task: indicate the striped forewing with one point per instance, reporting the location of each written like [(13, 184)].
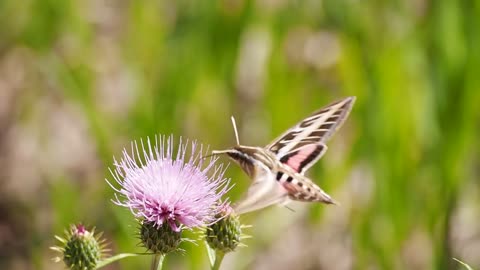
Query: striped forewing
[(303, 144)]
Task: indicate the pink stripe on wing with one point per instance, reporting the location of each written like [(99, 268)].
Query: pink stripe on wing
[(295, 161)]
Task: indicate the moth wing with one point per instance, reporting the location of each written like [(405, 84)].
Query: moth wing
[(301, 159), (315, 129), (262, 192)]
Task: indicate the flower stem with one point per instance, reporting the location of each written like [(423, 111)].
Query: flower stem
[(157, 261), (218, 260)]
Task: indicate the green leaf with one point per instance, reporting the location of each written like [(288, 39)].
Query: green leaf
[(118, 257), (211, 254)]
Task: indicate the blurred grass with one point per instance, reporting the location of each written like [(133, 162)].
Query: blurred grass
[(132, 69)]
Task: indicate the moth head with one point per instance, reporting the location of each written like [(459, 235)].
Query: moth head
[(236, 153), (240, 155)]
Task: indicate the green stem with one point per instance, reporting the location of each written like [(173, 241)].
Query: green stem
[(157, 261), (160, 262), (218, 260), (115, 258)]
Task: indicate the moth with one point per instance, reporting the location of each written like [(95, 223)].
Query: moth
[(278, 169)]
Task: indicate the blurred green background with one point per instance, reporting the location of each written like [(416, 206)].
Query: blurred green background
[(80, 79)]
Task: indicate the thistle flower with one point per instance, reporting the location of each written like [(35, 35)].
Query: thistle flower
[(159, 188), (80, 249), (225, 234), (159, 240)]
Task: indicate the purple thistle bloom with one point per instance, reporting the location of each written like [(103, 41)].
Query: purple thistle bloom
[(159, 188)]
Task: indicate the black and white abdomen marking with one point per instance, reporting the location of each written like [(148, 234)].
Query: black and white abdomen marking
[(283, 177), (301, 188)]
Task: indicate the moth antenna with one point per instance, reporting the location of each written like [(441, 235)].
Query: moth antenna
[(235, 129)]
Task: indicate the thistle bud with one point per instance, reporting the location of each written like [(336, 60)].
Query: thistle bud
[(81, 249), (225, 234), (159, 239)]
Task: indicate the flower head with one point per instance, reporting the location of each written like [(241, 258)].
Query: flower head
[(81, 249), (159, 187), (225, 235), (159, 240)]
